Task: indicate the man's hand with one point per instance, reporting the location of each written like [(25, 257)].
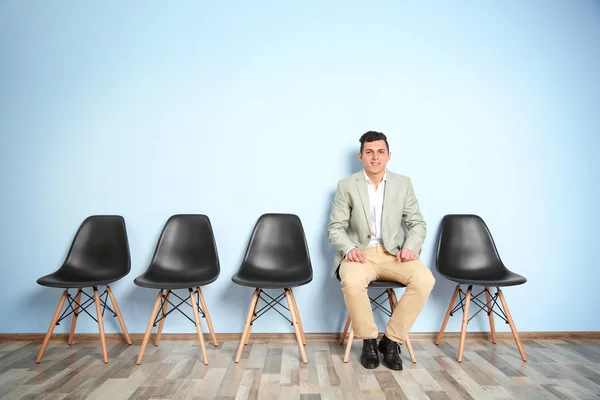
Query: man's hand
[(406, 255), (356, 255)]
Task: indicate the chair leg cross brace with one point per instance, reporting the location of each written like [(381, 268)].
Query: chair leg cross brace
[(165, 300), (270, 305), (379, 305), (83, 306), (489, 307)]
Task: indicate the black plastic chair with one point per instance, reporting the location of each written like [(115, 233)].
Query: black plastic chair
[(390, 297), (277, 257), (185, 258), (99, 255), (467, 255)]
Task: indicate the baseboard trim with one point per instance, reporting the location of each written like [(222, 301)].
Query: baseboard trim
[(309, 336)]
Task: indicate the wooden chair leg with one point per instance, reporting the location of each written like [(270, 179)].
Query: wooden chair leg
[(149, 328), (298, 317), (164, 317), (247, 325), (349, 345), (100, 325), (513, 328), (345, 332), (450, 307), (251, 325), (465, 321), (61, 302), (207, 316), (488, 298), (411, 352), (393, 302), (75, 315), (198, 327), (293, 312), (390, 295), (119, 315)]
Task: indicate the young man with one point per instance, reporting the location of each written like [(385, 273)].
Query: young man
[(366, 230)]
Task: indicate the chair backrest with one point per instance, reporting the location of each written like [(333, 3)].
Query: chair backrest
[(278, 244), (466, 248), (187, 242), (101, 244)]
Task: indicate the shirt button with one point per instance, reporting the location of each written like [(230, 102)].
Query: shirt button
[(369, 236)]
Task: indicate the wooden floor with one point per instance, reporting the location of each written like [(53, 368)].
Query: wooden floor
[(272, 370)]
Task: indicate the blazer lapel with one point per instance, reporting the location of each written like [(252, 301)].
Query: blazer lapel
[(364, 196), (390, 190)]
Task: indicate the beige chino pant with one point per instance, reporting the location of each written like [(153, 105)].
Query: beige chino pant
[(381, 265)]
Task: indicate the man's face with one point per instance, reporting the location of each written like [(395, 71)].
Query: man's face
[(375, 156)]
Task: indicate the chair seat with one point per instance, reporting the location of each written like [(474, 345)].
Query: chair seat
[(69, 277), (277, 279), (159, 278), (498, 278), (386, 284), (381, 284)]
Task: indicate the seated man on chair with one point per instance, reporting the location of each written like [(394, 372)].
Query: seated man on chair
[(366, 230)]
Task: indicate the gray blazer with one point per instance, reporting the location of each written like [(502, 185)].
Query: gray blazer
[(349, 224)]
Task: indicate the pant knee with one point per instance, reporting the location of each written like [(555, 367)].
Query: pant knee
[(354, 284), (423, 282)]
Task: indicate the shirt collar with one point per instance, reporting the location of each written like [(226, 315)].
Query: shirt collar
[(368, 180)]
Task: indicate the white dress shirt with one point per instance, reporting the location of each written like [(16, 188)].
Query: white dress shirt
[(375, 210)]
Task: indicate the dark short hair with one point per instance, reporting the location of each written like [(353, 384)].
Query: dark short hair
[(373, 136)]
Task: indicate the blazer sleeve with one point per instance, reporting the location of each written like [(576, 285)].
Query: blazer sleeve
[(413, 220), (338, 222)]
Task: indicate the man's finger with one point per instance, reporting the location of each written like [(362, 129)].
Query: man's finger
[(360, 256)]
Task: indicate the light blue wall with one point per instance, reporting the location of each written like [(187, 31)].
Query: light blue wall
[(152, 108)]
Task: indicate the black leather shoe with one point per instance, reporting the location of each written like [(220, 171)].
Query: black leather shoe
[(369, 357), (391, 353)]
